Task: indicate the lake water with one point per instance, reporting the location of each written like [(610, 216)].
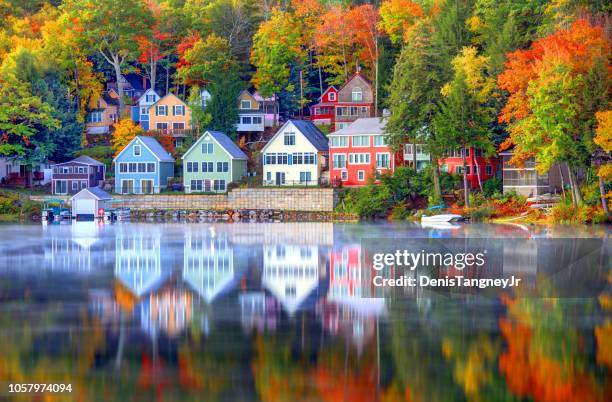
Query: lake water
[(287, 312)]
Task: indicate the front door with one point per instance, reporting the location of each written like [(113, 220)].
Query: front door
[(280, 178), (127, 186), (207, 186), (147, 186), (61, 187)]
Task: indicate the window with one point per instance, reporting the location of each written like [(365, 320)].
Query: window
[(142, 167), (144, 111), (127, 186), (317, 111), (257, 120), (339, 142), (222, 167), (207, 148), (357, 94), (489, 170), (270, 159), (354, 110), (196, 185), (359, 159), (332, 96), (192, 167), (310, 158), (133, 167), (75, 185), (162, 126), (150, 98), (459, 170), (339, 161), (305, 177), (379, 140), (364, 111), (382, 161), (178, 110), (95, 117), (289, 138), (477, 152), (136, 150), (360, 175), (444, 168), (245, 104), (268, 176), (150, 167), (344, 175), (161, 110), (298, 158), (361, 141), (207, 167), (246, 119), (341, 111), (282, 159), (83, 184), (178, 126), (219, 185), (123, 167)]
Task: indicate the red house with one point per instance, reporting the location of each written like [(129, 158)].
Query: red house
[(476, 163), (359, 151), (341, 107)]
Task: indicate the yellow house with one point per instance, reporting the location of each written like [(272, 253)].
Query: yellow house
[(170, 115), (102, 114)]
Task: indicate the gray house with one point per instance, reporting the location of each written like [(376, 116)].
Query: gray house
[(525, 180)]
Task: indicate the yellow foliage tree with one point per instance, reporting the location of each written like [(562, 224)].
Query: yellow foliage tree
[(125, 131)]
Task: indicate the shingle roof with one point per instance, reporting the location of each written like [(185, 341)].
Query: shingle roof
[(87, 160), (312, 134), (229, 145), (110, 100), (156, 148), (99, 193), (365, 125)]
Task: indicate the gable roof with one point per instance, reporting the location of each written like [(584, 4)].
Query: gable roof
[(364, 125), (357, 74), (147, 92), (308, 130), (169, 94), (153, 146), (96, 192), (224, 142), (326, 91), (110, 100), (84, 160)]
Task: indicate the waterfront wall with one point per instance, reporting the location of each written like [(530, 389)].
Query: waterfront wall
[(283, 199)]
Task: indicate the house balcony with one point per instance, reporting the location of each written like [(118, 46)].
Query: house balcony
[(176, 133)]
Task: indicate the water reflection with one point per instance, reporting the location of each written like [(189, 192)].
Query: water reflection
[(287, 312)]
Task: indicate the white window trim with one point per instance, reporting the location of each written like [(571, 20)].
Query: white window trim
[(161, 122), (361, 172), (134, 150), (124, 180), (331, 96), (152, 185), (361, 146), (241, 104), (341, 146), (376, 161), (344, 175)]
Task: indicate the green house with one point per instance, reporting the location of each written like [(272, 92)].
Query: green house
[(212, 163)]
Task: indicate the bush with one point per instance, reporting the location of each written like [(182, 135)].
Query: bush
[(564, 212), (492, 187), (481, 213)]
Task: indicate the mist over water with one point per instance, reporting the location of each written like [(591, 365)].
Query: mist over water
[(287, 312)]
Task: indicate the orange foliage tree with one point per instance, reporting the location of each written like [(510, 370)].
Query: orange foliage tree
[(125, 131)]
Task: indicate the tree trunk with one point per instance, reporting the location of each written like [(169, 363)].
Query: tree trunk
[(475, 162), (436, 180), (376, 79), (153, 76), (576, 195), (414, 155), (562, 179), (466, 190), (167, 78), (602, 194), (320, 81), (117, 68)]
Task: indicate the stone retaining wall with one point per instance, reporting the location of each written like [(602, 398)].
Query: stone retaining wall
[(283, 199)]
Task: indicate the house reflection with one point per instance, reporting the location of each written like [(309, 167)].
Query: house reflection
[(259, 312), (290, 273), (349, 309)]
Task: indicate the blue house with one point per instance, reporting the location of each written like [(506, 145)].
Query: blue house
[(143, 167), (140, 111)]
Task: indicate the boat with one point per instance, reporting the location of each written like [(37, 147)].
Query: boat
[(55, 213), (442, 218)]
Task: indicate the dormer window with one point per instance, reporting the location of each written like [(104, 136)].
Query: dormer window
[(357, 94), (150, 98), (245, 104), (332, 96), (136, 150)]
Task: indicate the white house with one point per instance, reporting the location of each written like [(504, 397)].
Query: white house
[(296, 155), (89, 201), (204, 97)]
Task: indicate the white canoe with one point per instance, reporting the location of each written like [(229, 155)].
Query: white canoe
[(441, 218)]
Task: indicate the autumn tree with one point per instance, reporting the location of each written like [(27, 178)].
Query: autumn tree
[(603, 139), (398, 18), (125, 131), (464, 118), (111, 28), (153, 45), (555, 88), (276, 45)]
